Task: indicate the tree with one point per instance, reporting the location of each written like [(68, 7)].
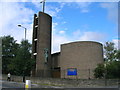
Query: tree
[(110, 51), (16, 58), (23, 63), (112, 62), (113, 69), (99, 71), (9, 51), (118, 55)]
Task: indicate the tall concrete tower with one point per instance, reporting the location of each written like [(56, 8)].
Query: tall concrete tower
[(41, 49)]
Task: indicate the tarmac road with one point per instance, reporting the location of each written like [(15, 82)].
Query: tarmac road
[(19, 85), (9, 85)]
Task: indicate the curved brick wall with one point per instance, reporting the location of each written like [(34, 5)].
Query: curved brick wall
[(83, 55)]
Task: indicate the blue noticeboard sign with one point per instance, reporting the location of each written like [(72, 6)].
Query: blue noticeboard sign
[(72, 71)]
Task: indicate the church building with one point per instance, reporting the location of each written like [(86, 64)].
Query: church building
[(75, 59)]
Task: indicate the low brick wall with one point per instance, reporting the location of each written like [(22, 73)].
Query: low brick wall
[(65, 82), (13, 78)]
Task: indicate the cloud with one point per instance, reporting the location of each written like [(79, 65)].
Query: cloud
[(51, 10), (77, 34), (58, 38), (84, 6), (93, 36), (112, 8), (12, 15), (64, 22), (54, 26), (15, 13), (117, 43), (62, 32), (62, 0)]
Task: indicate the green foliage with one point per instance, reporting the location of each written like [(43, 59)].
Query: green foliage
[(112, 62), (23, 61), (9, 50), (99, 71), (110, 51), (118, 54), (16, 58), (113, 69)]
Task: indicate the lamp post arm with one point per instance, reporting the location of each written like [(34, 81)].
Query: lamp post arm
[(25, 33)]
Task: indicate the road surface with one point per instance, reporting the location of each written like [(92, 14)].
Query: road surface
[(9, 85)]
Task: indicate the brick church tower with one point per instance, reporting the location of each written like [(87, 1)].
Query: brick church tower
[(41, 44)]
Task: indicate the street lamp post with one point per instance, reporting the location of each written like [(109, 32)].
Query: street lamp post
[(25, 30), (24, 53)]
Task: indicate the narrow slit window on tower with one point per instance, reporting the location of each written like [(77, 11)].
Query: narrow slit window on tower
[(35, 47), (36, 33), (36, 21), (34, 56)]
